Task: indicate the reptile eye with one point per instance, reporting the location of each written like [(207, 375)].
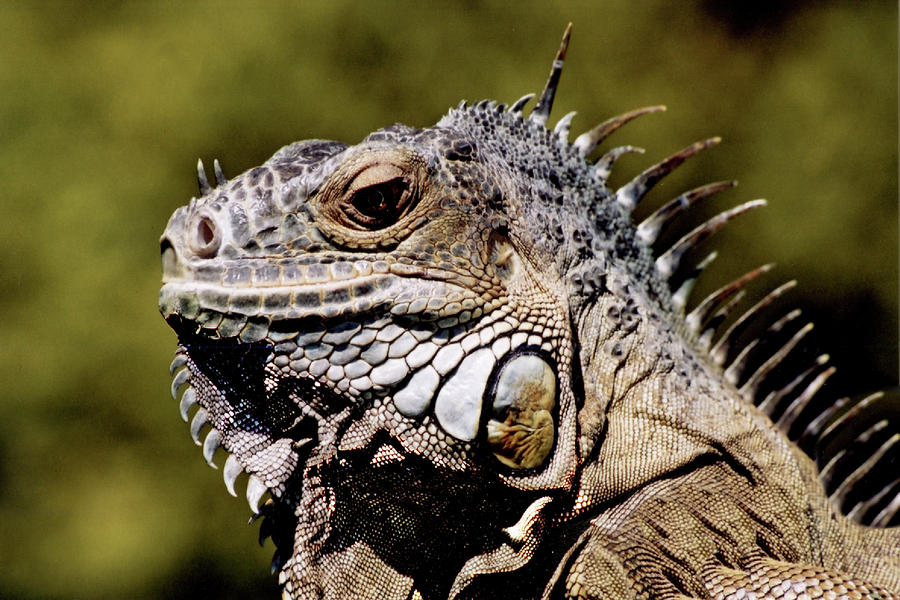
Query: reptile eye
[(376, 198), (381, 204)]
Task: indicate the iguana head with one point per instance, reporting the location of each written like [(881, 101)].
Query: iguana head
[(387, 338), (384, 319)]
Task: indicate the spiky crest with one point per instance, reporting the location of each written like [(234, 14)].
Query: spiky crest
[(702, 322), (220, 175), (586, 142), (541, 111), (711, 313), (202, 181)]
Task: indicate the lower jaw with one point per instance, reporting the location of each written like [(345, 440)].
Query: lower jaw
[(332, 504)]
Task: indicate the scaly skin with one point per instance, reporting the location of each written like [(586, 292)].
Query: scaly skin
[(458, 370)]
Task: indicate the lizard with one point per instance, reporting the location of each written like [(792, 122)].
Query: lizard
[(455, 367)]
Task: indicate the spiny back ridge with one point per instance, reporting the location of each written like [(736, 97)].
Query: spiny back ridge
[(788, 404), (541, 111)]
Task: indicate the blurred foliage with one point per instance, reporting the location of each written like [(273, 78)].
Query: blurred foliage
[(107, 105)]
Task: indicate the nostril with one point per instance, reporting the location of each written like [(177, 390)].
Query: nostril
[(205, 232), (204, 237)]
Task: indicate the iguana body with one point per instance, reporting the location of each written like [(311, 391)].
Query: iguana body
[(458, 369)]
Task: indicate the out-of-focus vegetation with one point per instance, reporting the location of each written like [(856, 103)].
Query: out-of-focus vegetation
[(106, 106)]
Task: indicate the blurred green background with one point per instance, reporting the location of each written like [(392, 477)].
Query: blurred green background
[(106, 106)]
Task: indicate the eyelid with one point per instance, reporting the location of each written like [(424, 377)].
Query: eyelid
[(402, 170), (375, 175)]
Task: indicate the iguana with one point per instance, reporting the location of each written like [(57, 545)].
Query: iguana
[(458, 369)]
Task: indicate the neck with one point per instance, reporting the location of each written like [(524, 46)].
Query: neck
[(655, 408)]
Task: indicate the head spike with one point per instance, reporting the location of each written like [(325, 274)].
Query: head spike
[(604, 164), (668, 262), (541, 111), (179, 361), (562, 128), (826, 475), (750, 387), (586, 142), (840, 493), (181, 378), (883, 518), (649, 229), (797, 406), (210, 444), (188, 399), (851, 414), (719, 352), (220, 175), (771, 401), (255, 490), (202, 181), (859, 511), (699, 315), (197, 424), (631, 193), (704, 340), (814, 428), (230, 473), (680, 297), (736, 369), (519, 104)]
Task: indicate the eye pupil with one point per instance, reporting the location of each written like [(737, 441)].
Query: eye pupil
[(371, 202), (375, 200), (379, 205)]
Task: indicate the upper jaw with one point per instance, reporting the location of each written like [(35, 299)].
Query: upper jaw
[(273, 288), (249, 312)]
